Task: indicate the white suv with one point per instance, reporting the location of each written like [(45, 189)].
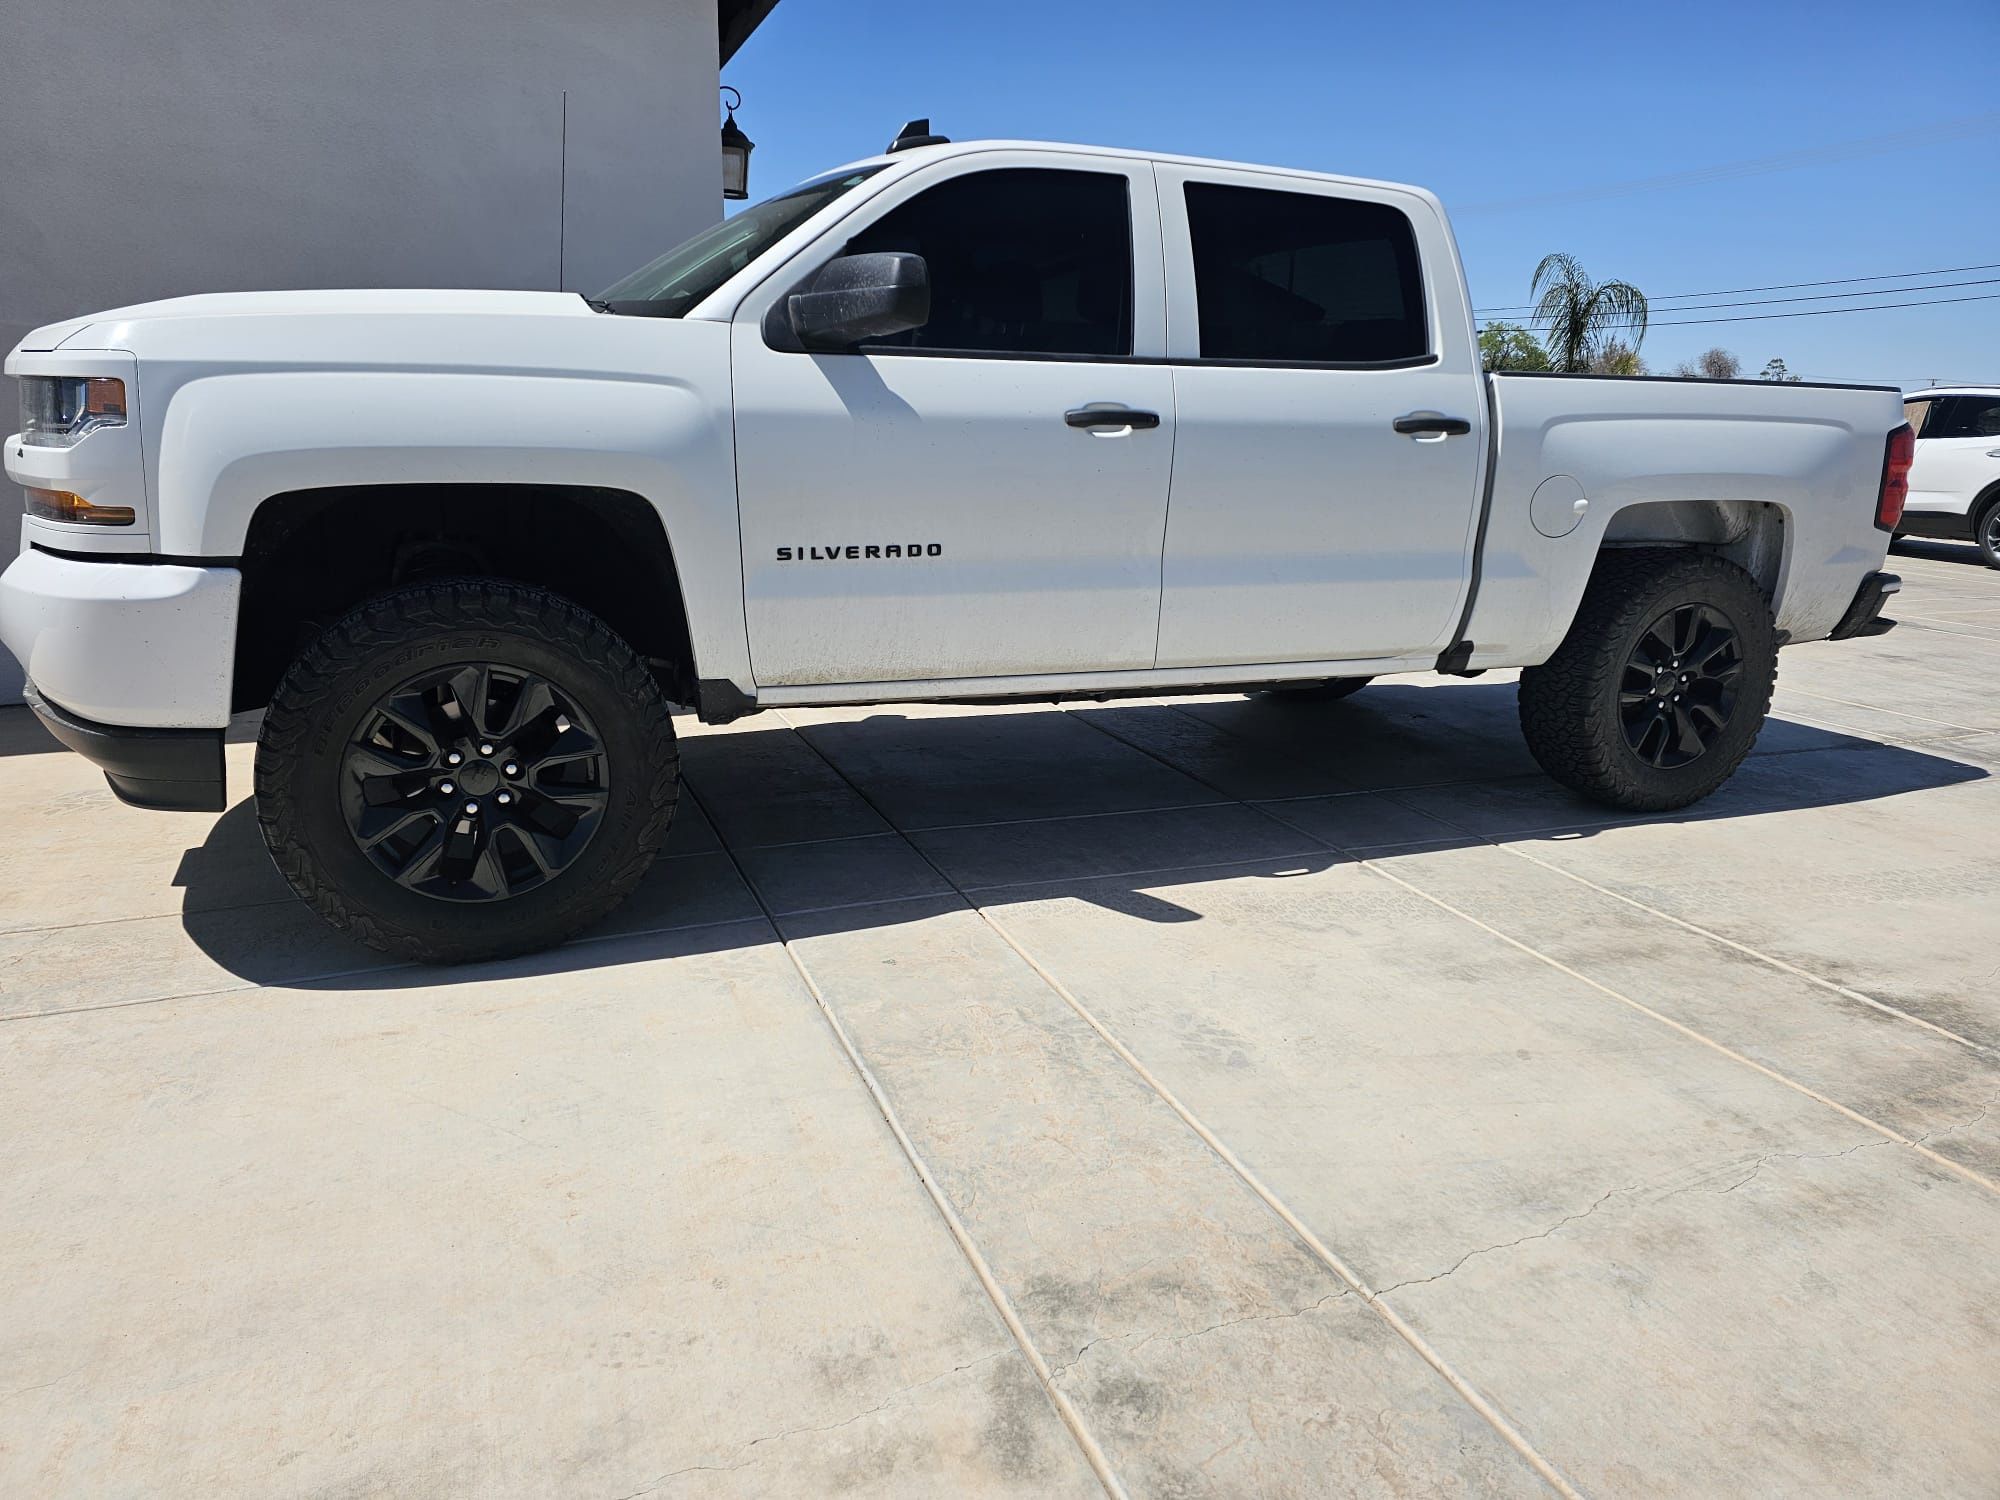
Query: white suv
[(1955, 482)]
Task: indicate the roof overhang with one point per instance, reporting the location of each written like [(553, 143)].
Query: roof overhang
[(735, 20)]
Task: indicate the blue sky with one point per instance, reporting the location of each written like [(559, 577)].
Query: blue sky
[(1487, 104)]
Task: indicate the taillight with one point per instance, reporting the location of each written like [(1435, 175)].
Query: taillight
[(1896, 460)]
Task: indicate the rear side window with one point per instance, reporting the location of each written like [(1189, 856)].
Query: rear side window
[(1022, 261), (1964, 417), (1297, 277), (1914, 412)]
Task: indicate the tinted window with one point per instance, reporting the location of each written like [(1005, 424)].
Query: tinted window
[(1022, 261), (1914, 413), (1296, 276), (1965, 417)]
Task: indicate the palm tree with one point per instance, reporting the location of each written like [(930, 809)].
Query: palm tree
[(1577, 315)]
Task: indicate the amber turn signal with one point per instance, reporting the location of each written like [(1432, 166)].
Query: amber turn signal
[(61, 505)]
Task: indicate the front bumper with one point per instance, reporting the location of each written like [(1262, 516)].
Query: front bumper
[(137, 644), (1864, 615), (175, 770)]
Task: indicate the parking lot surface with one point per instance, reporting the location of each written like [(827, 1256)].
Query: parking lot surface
[(1221, 1096)]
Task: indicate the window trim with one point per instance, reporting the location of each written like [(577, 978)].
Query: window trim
[(890, 351)]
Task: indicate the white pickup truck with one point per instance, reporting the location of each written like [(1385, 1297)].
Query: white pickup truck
[(995, 420)]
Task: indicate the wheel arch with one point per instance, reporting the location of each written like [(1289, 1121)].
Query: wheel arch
[(1753, 534), (310, 555)]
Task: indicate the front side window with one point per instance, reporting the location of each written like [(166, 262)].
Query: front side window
[(1022, 261), (669, 286), (1286, 278)]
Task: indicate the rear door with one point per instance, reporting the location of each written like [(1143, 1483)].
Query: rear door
[(945, 503), (1305, 319)]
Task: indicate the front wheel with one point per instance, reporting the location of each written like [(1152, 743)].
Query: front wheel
[(1661, 686), (466, 770)]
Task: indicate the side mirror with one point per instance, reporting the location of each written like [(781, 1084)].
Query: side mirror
[(859, 297)]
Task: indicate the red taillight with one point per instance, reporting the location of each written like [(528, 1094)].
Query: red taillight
[(1896, 461)]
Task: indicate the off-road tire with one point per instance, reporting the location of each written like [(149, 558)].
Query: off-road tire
[(1570, 704), (318, 707), (1330, 691)]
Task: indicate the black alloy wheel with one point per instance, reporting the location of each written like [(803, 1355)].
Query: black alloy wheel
[(1679, 689), (474, 783)]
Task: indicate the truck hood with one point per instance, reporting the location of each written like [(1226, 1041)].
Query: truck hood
[(119, 326)]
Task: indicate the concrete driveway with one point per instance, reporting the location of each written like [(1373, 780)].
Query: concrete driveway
[(1212, 1097)]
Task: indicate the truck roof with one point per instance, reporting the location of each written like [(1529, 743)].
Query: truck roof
[(971, 148)]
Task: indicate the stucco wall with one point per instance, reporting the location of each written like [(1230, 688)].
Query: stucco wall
[(229, 145)]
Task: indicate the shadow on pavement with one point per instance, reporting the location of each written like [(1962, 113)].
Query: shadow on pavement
[(865, 824), (1965, 553)]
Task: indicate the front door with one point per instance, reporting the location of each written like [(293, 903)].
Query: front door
[(1305, 320), (927, 506)]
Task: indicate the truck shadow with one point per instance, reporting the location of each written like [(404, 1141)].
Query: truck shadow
[(1965, 553), (871, 822)]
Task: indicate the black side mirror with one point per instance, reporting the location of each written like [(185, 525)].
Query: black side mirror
[(860, 297)]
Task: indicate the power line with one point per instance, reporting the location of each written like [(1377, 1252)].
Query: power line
[(1825, 312), (1818, 312), (1788, 286), (1880, 291)]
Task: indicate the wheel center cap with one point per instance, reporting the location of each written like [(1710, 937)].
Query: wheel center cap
[(1665, 681), (479, 777)]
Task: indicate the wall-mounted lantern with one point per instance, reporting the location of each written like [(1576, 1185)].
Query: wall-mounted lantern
[(736, 149)]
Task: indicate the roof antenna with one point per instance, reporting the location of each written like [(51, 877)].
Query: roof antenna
[(916, 133)]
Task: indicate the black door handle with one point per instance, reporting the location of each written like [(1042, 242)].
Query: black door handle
[(1111, 416), (1429, 421)]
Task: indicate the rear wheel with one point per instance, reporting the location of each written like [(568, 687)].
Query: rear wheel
[(466, 770), (1660, 688), (1986, 532)]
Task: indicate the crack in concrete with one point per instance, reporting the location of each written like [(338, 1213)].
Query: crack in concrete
[(771, 1437), (1761, 1161), (1057, 1371), (1540, 1234), (1755, 1167)]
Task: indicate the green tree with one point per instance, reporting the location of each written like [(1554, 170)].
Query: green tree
[(1776, 370), (1578, 316), (1509, 346)]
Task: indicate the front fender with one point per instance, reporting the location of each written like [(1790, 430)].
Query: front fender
[(228, 442)]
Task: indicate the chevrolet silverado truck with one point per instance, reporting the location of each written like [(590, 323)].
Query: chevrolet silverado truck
[(999, 420)]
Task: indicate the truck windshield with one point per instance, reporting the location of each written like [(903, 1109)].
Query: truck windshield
[(669, 286)]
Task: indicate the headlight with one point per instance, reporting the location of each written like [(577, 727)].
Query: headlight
[(59, 411)]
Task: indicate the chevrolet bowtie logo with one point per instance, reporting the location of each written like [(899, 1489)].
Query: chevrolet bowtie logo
[(862, 552)]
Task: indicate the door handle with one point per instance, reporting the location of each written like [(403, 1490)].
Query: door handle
[(1420, 423), (1111, 416)]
